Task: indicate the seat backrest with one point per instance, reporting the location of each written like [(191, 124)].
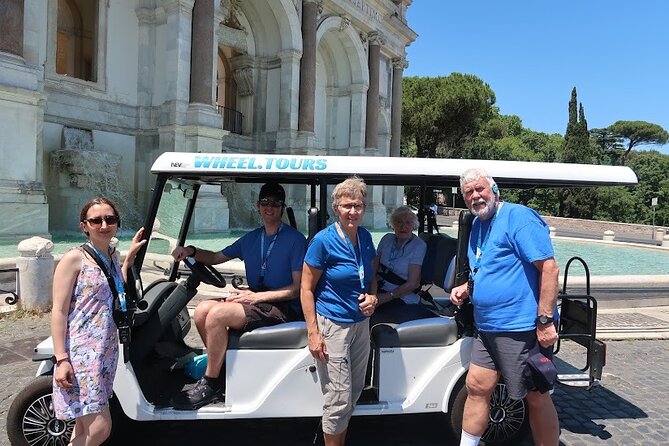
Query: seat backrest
[(441, 249)]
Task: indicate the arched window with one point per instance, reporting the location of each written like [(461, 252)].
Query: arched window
[(76, 39), (226, 91)]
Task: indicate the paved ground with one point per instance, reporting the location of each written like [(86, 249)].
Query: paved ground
[(629, 408)]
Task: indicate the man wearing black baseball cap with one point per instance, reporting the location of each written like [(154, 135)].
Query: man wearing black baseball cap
[(273, 255)]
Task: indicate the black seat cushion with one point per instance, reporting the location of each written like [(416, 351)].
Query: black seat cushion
[(431, 332)]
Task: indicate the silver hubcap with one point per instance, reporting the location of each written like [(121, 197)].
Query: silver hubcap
[(506, 416), (41, 427)]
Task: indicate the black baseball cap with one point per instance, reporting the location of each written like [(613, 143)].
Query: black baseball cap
[(273, 190)]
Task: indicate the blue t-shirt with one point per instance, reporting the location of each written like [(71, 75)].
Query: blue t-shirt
[(506, 286), (286, 256), (339, 287)]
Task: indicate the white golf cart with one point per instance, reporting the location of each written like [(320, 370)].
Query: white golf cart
[(418, 366)]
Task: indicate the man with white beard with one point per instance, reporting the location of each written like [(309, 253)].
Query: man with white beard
[(513, 287)]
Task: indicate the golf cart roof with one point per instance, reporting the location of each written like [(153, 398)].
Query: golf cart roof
[(240, 167)]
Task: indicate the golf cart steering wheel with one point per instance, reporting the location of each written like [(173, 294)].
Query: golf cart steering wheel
[(206, 273)]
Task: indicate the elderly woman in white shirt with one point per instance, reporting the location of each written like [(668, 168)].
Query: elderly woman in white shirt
[(400, 258)]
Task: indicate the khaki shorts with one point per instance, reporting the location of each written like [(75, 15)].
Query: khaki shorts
[(342, 375)]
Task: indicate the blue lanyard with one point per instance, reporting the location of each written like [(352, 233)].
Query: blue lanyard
[(358, 260), (116, 275), (397, 253), (263, 257), (480, 246)]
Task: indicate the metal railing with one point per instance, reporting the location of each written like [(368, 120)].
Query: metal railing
[(8, 277), (232, 119)]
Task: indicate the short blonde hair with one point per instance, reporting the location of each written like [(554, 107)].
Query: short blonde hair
[(352, 187), (403, 212)]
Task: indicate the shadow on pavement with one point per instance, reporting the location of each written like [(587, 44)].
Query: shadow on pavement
[(581, 411)]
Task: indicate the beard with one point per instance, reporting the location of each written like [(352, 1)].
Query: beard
[(485, 212)]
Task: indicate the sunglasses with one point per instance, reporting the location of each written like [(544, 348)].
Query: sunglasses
[(270, 202), (97, 221)]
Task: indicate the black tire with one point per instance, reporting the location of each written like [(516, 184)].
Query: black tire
[(31, 420), (508, 420)]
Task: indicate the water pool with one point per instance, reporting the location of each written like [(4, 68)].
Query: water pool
[(602, 258)]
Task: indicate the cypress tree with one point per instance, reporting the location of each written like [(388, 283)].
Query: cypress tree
[(573, 202)]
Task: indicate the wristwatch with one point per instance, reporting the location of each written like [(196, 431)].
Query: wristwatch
[(542, 319)]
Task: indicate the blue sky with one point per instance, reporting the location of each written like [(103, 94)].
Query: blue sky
[(533, 52)]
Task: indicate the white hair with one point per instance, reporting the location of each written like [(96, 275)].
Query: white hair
[(475, 174)]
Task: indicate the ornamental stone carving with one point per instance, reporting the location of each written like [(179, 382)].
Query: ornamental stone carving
[(345, 23), (376, 38), (244, 80), (230, 10), (400, 63)]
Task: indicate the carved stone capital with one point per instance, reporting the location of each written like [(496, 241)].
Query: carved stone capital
[(400, 63), (376, 38), (146, 16), (182, 6)]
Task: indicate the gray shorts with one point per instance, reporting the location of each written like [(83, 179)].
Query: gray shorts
[(506, 352), (342, 375)]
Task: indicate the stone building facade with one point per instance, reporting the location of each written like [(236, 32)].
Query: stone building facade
[(92, 91)]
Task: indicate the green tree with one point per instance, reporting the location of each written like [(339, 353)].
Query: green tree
[(573, 202), (637, 133), (440, 114), (651, 169)]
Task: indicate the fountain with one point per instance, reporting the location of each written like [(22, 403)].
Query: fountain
[(78, 172)]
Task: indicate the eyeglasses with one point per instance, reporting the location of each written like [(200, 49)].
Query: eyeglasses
[(271, 202), (358, 207), (97, 221)]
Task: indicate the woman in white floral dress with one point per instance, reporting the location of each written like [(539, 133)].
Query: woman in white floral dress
[(84, 334)]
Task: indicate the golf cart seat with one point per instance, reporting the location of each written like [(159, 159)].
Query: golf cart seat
[(430, 332), (289, 335)]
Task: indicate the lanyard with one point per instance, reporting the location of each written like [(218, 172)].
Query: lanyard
[(480, 245), (116, 275), (397, 253), (358, 261), (263, 257)]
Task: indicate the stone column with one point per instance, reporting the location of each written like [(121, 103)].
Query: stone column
[(357, 132), (372, 128), (308, 66), (399, 65), (35, 274), (177, 56), (11, 17), (202, 53), (290, 88)]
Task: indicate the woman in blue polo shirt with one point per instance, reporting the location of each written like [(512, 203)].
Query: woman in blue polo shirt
[(338, 294)]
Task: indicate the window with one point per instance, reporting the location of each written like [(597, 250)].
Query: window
[(76, 39)]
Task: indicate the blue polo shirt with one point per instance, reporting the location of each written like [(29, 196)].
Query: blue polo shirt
[(339, 287)]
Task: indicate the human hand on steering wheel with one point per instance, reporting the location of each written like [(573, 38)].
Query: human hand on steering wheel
[(206, 273)]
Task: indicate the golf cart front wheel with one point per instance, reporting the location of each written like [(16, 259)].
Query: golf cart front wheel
[(508, 420), (31, 420)]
